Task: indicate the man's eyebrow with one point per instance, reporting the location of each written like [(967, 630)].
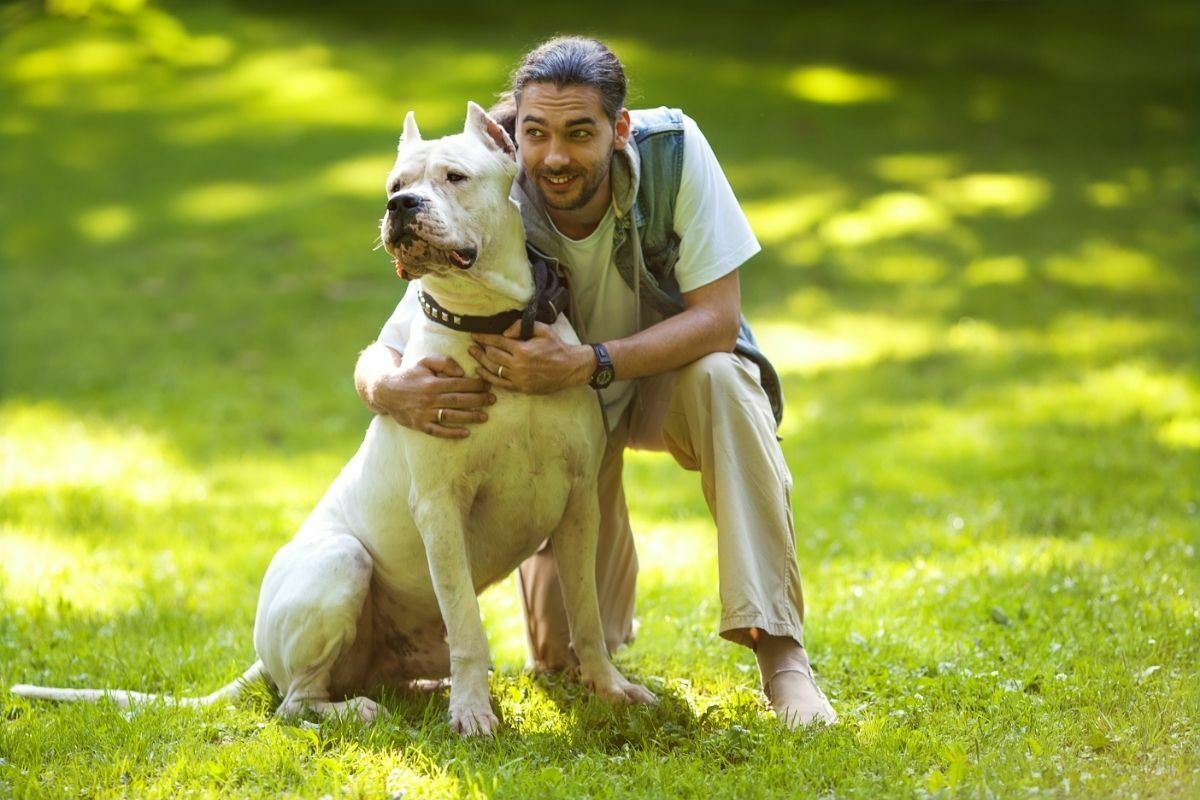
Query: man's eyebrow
[(571, 123)]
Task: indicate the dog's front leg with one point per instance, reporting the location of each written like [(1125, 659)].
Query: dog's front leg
[(574, 546), (442, 530)]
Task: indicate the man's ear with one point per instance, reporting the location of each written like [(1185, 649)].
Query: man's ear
[(488, 130), (411, 135), (622, 129)]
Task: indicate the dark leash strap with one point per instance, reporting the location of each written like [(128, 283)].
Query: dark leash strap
[(550, 295), (550, 298)]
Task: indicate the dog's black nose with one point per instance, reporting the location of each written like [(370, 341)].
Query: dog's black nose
[(404, 202)]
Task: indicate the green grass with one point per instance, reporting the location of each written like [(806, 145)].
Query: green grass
[(980, 281)]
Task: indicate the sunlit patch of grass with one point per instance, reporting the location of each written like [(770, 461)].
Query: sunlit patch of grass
[(886, 216), (358, 177), (917, 168), (1107, 396), (46, 448), (779, 220), (91, 58), (221, 202), (846, 340), (106, 224), (911, 267), (996, 270), (1076, 335), (1103, 264), (1182, 432), (1107, 194), (296, 83), (71, 575), (1009, 194), (835, 85)]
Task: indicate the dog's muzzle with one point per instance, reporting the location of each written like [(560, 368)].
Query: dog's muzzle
[(403, 209)]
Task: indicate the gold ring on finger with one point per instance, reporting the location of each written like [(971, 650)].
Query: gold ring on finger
[(500, 372), (441, 413)]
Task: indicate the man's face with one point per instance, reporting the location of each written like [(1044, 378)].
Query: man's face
[(566, 142)]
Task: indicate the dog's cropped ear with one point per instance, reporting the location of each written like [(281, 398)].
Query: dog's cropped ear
[(411, 134), (487, 129)]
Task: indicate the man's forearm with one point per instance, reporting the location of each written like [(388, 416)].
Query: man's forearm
[(671, 344), (376, 361), (709, 323)]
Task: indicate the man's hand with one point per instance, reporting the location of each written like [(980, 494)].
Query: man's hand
[(541, 365), (434, 397)]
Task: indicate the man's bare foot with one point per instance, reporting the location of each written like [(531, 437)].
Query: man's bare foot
[(788, 682), (797, 700)]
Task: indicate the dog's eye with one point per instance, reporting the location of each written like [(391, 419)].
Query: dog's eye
[(455, 177), (395, 187)]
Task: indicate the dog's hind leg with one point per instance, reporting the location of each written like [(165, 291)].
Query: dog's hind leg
[(310, 612)]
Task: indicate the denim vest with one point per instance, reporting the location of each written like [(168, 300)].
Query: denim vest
[(658, 134), (645, 184)]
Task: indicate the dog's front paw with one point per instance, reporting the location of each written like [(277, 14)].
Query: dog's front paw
[(474, 720), (615, 689)]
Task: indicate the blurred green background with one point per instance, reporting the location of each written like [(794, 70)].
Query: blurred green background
[(981, 230)]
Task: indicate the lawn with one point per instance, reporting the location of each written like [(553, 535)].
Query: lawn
[(980, 281)]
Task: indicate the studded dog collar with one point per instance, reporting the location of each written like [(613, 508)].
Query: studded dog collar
[(550, 298)]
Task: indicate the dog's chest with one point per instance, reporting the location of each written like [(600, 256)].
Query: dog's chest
[(528, 455)]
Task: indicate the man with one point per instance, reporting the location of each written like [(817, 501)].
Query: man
[(636, 209)]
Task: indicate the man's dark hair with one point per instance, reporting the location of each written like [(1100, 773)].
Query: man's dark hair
[(567, 61)]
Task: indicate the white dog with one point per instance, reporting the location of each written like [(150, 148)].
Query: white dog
[(379, 586)]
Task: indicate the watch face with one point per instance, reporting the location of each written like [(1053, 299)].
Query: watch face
[(604, 373)]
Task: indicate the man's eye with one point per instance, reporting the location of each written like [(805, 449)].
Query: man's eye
[(580, 134), (455, 177), (533, 133)]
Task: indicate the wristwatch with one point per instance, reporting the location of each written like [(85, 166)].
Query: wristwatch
[(603, 375)]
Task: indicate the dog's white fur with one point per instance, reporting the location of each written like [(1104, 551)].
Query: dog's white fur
[(379, 585)]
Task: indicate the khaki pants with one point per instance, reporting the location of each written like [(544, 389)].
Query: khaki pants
[(712, 416)]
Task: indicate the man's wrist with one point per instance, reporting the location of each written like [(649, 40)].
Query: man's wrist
[(603, 373)]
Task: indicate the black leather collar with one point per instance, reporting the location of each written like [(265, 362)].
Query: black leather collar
[(550, 298)]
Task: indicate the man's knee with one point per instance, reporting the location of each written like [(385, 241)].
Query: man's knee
[(713, 368), (717, 377), (721, 386)]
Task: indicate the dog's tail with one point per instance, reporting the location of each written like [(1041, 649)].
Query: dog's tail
[(125, 699)]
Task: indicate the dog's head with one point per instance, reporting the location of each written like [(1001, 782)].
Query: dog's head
[(447, 197)]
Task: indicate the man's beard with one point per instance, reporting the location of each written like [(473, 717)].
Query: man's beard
[(585, 194)]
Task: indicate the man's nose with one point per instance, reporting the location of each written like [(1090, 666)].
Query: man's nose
[(557, 156)]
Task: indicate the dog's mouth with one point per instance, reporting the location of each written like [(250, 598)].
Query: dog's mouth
[(415, 262), (463, 257)]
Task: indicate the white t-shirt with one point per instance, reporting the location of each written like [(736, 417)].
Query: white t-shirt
[(715, 239)]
